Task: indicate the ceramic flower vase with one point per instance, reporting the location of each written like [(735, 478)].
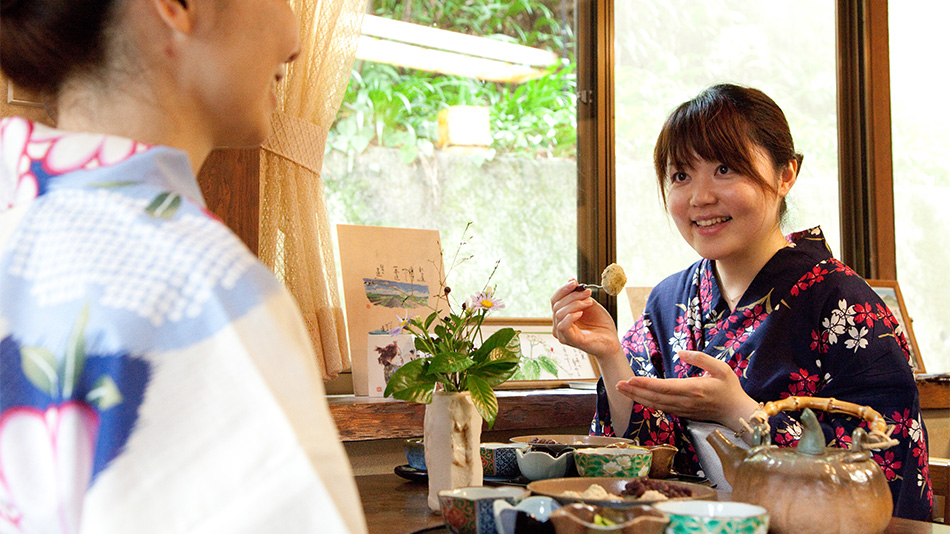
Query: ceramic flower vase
[(453, 431)]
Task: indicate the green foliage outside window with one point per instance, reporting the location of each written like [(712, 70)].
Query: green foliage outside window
[(397, 108)]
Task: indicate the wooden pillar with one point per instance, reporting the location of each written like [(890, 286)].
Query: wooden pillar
[(596, 186), (230, 183), (865, 170)]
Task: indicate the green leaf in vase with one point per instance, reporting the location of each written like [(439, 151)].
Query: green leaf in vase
[(411, 383), (501, 338), (451, 362), (421, 345), (501, 365), (483, 398)]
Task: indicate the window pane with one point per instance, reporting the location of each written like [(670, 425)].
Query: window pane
[(385, 164), (666, 53), (920, 134)]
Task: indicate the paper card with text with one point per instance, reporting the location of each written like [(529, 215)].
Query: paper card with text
[(388, 274)]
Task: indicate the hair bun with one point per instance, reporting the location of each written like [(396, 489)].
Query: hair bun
[(7, 7), (43, 42)]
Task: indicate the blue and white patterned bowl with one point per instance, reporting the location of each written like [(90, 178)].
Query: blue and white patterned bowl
[(499, 459), (712, 517), (471, 510)]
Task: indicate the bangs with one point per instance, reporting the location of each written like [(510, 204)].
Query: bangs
[(711, 129)]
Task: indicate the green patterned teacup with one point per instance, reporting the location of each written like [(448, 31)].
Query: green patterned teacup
[(711, 517), (604, 462)]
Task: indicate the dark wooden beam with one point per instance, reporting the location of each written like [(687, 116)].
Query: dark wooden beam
[(596, 190), (864, 139)]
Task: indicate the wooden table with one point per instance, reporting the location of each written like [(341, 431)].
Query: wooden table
[(397, 506)]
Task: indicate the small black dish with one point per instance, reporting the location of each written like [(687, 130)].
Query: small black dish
[(411, 473), (408, 472)]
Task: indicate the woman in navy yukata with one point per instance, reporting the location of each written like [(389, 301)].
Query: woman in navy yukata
[(760, 318)]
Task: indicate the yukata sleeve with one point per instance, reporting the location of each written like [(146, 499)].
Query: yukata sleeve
[(862, 358), (649, 426), (239, 439)]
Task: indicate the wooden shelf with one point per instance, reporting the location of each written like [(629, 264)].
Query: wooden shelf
[(367, 418), (934, 391)]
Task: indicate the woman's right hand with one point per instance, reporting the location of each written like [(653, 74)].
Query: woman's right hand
[(581, 322)]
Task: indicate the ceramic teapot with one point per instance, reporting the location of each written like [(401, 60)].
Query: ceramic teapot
[(812, 488)]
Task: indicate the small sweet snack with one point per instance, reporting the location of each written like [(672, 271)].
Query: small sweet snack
[(613, 279)]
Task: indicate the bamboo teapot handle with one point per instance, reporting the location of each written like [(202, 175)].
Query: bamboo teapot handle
[(879, 434)]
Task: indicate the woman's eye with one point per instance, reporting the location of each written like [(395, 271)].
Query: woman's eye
[(677, 177), (722, 169)]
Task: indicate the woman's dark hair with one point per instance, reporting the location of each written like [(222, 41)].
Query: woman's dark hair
[(44, 42), (725, 123)]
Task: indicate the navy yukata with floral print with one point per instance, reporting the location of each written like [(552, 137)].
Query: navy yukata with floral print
[(806, 326)]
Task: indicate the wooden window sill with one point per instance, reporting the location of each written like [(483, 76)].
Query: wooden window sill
[(368, 418)]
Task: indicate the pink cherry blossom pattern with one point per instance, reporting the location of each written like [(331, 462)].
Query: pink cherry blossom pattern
[(889, 464), (22, 185)]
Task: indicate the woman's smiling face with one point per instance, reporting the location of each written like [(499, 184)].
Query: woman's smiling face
[(726, 216)]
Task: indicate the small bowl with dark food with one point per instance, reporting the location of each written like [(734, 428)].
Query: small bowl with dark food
[(558, 442), (621, 493)]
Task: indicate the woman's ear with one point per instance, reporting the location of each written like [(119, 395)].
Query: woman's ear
[(176, 14), (787, 177)]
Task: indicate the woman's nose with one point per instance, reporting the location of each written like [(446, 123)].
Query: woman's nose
[(702, 193)]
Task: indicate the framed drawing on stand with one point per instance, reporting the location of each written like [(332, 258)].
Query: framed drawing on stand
[(545, 362), (890, 293)]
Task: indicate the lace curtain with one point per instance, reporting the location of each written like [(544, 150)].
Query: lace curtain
[(295, 231)]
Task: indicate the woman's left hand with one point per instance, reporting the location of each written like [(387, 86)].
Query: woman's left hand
[(714, 396)]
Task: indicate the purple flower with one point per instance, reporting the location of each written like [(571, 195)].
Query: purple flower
[(403, 323), (487, 301)]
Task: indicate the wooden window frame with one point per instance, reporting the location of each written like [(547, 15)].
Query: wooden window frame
[(864, 140)]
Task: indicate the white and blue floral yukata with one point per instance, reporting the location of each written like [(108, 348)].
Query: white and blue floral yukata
[(154, 377)]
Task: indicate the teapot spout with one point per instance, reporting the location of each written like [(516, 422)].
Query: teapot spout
[(729, 454)]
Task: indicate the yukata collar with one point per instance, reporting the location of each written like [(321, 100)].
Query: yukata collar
[(807, 246), (34, 151)]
